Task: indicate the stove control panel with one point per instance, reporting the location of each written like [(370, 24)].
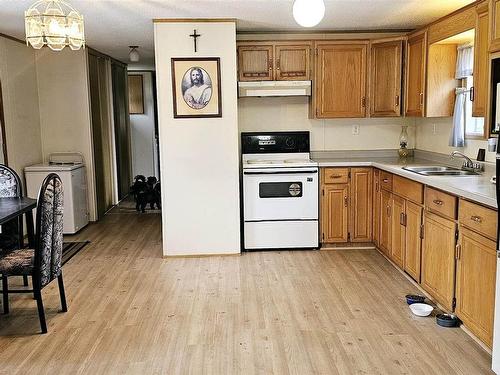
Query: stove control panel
[(275, 142)]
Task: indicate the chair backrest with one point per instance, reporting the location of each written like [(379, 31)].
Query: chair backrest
[(49, 230), (10, 183)]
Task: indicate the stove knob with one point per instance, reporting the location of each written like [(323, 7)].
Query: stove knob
[(290, 142)]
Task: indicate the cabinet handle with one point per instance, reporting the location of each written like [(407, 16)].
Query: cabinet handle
[(336, 176), (277, 64), (438, 202), (363, 101), (421, 99), (472, 94), (346, 201), (458, 251), (270, 64), (388, 211), (476, 219), (397, 100), (385, 180), (402, 218), (376, 187)]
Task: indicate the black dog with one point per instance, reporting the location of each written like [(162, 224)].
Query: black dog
[(145, 191)]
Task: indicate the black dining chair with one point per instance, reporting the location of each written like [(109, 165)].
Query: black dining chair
[(12, 235), (43, 263)]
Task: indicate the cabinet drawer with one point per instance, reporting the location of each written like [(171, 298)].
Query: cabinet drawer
[(386, 180), (335, 175), (478, 218), (408, 189), (441, 203)]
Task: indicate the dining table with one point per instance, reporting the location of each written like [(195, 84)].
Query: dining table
[(14, 207)]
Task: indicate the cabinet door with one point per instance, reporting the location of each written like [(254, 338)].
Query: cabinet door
[(476, 276), (335, 208), (494, 19), (413, 240), (256, 62), (438, 258), (481, 59), (293, 62), (385, 73), (376, 207), (385, 222), (398, 230), (341, 80), (415, 75), (361, 205)]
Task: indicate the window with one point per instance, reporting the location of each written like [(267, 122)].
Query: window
[(474, 126)]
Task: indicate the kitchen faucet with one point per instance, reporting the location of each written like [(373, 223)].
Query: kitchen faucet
[(468, 163)]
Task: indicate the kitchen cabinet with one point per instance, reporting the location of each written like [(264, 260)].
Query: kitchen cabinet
[(415, 74), (494, 22), (377, 196), (385, 222), (476, 276), (346, 205), (413, 240), (334, 215), (340, 79), (481, 61), (438, 258), (397, 230), (268, 61), (256, 62), (361, 205), (385, 78)]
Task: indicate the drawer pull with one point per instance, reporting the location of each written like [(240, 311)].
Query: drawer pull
[(336, 176), (476, 219), (346, 201), (385, 181), (438, 202)]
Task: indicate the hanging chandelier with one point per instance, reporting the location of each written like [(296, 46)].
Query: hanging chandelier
[(54, 23)]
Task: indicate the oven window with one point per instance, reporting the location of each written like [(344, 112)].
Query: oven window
[(280, 189)]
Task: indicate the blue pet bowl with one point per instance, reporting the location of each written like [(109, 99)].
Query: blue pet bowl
[(414, 298)]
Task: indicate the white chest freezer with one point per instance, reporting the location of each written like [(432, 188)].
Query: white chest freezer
[(73, 177)]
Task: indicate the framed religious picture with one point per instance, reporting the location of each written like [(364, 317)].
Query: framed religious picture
[(196, 87)]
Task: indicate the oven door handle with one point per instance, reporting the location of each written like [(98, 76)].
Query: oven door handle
[(281, 172)]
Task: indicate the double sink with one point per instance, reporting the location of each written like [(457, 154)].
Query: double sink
[(441, 171)]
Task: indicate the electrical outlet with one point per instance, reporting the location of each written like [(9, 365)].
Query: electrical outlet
[(434, 129), (355, 130)]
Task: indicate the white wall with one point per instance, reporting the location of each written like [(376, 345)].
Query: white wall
[(63, 89), (142, 131), (291, 113), (427, 139), (199, 157), (20, 96)]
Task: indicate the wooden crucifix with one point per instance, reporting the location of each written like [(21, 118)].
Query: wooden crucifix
[(195, 36)]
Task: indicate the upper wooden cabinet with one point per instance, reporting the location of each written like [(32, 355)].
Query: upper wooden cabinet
[(385, 78), (293, 61), (256, 62), (494, 21), (481, 71), (416, 55), (341, 79), (268, 61)]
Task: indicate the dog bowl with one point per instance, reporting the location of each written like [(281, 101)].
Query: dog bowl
[(421, 309), (414, 298), (446, 320)]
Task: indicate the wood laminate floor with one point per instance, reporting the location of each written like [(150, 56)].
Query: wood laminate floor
[(303, 312)]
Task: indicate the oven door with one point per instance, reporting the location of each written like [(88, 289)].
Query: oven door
[(280, 194)]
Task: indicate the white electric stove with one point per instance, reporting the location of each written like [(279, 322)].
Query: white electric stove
[(280, 191)]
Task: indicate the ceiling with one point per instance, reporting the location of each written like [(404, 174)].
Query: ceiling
[(112, 25)]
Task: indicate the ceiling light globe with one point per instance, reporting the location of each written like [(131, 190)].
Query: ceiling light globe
[(308, 13), (134, 55)]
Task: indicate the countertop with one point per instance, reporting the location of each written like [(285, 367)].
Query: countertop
[(474, 188)]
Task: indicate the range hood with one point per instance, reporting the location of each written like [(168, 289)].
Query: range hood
[(274, 88)]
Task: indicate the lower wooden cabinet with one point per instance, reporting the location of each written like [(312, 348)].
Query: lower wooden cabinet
[(385, 222), (335, 211), (476, 277), (346, 208), (438, 258), (413, 240), (398, 231)]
